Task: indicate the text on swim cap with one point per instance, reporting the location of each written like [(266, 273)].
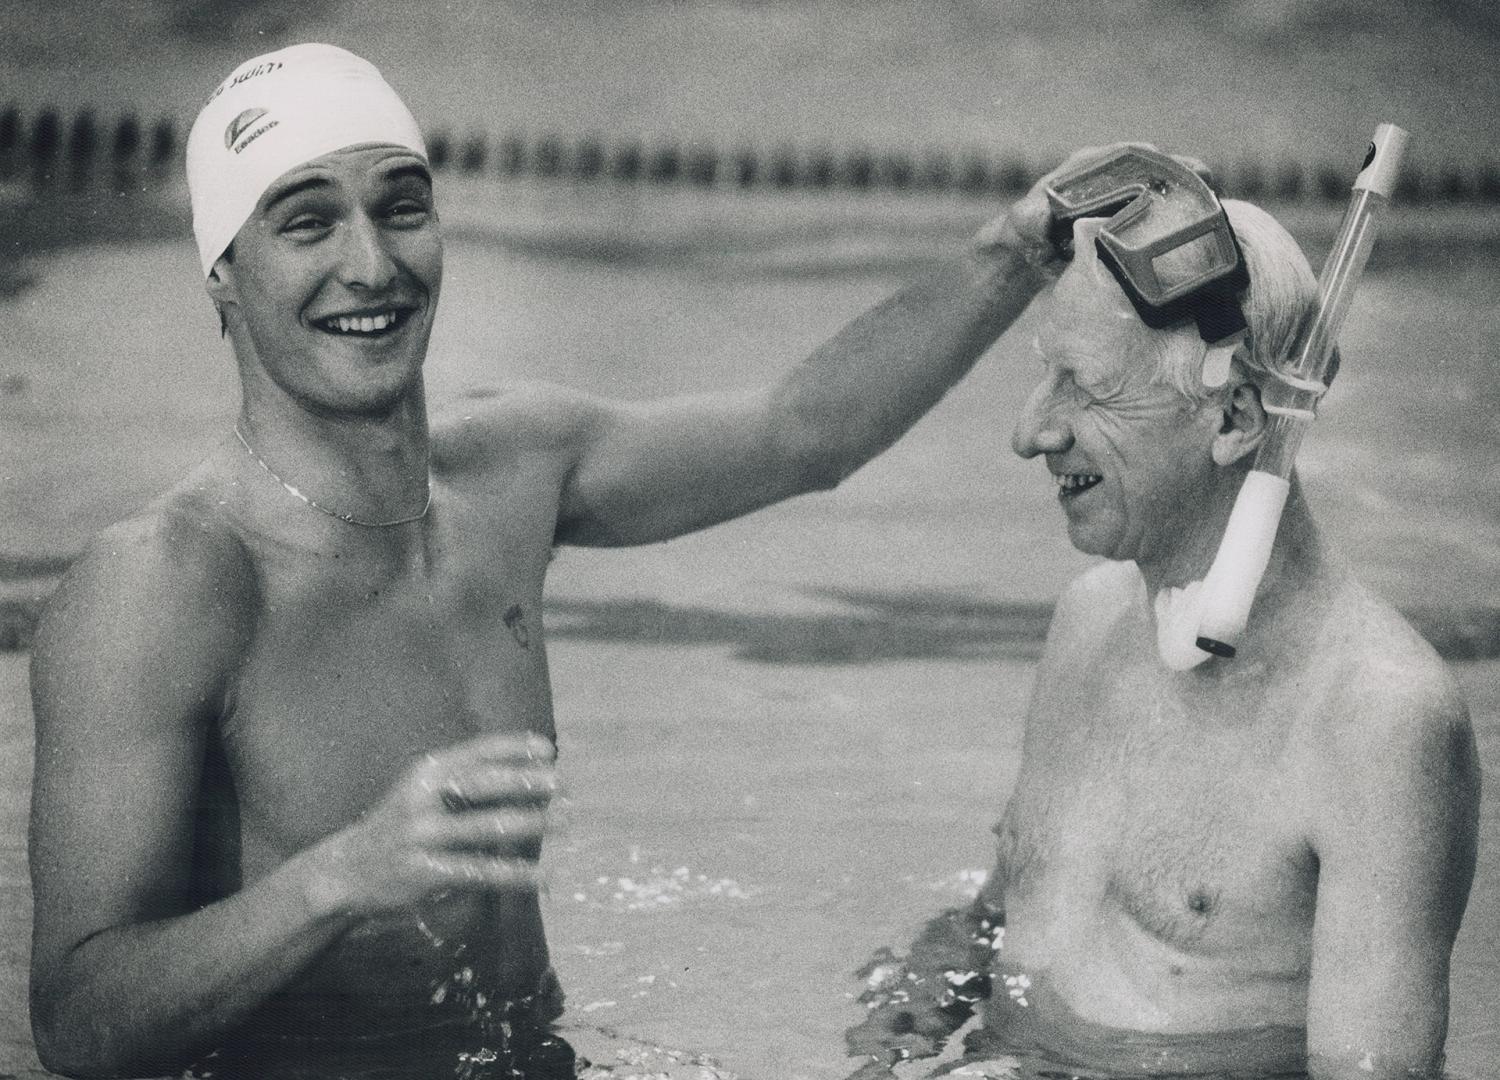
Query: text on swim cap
[(257, 133), (246, 76)]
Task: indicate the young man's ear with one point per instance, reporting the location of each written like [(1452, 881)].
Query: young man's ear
[(220, 286), (1242, 424), (219, 280)]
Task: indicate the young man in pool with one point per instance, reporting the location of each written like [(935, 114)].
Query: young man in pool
[(294, 726), (1253, 866)]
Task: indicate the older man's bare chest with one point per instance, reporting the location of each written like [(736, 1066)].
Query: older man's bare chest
[(366, 655), (1158, 826)]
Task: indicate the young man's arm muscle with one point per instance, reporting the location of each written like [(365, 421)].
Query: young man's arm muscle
[(638, 472), (128, 673), (655, 470)]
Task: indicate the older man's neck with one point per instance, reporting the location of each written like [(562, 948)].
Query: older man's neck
[(1298, 552), (1291, 601)]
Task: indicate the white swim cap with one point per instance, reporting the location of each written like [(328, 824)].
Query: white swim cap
[(274, 113)]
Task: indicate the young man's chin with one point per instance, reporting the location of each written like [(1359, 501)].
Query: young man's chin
[(388, 399)]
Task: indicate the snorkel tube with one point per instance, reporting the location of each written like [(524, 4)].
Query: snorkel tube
[(1291, 402)]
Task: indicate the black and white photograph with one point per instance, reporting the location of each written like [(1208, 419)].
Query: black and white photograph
[(749, 540)]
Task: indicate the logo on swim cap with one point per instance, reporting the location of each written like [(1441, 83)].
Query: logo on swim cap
[(238, 125)]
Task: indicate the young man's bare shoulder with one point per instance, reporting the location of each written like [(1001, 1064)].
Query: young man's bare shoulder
[(175, 570), (485, 425)]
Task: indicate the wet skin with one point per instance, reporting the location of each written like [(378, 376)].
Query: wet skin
[(1154, 860), (456, 651), (1286, 844)]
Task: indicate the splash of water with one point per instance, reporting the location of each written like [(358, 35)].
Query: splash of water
[(513, 1041)]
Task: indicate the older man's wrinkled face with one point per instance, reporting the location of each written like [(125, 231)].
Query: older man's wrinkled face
[(1130, 455)]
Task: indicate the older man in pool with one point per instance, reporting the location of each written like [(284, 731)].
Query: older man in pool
[(294, 724), (1254, 866)]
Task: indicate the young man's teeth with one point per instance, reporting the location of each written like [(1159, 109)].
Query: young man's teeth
[(366, 324)]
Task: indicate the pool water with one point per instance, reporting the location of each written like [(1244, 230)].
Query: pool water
[(743, 836)]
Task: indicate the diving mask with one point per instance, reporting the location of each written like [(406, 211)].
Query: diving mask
[(1167, 241)]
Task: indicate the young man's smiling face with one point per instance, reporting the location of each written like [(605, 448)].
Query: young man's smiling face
[(1131, 455), (334, 279)]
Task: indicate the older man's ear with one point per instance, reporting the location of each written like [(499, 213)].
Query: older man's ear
[(1242, 424)]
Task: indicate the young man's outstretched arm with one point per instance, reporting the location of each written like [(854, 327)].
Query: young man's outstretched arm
[(647, 471)]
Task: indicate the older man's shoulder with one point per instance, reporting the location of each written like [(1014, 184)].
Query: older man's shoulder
[(1387, 689), (1393, 755), (1380, 654)]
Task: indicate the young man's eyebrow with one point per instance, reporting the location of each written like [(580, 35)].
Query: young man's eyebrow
[(295, 189), (414, 169)]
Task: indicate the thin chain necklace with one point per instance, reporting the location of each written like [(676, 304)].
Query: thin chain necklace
[(346, 518)]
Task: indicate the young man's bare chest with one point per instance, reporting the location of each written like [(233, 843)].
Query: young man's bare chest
[(368, 651)]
